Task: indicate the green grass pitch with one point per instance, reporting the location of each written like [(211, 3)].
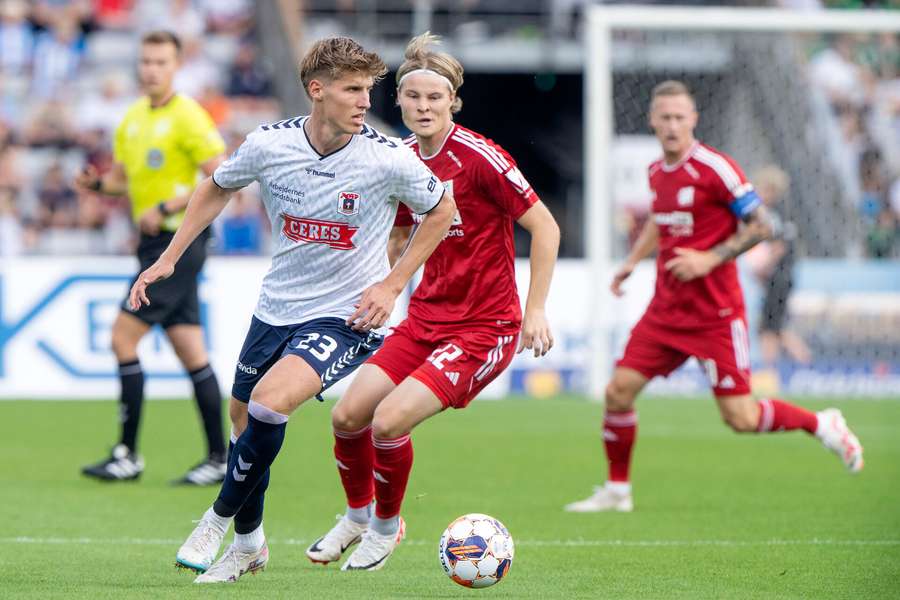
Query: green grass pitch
[(717, 515)]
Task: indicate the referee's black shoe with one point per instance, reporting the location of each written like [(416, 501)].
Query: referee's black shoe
[(210, 471), (122, 465)]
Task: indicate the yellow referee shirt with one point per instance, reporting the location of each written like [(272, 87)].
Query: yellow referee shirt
[(162, 149)]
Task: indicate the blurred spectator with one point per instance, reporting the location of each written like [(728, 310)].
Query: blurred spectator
[(248, 77), (228, 16), (50, 124), (871, 176), (882, 238), (10, 161), (112, 14), (16, 38), (242, 226), (177, 16), (12, 235), (836, 71), (197, 72), (103, 109), (58, 203), (215, 103), (773, 264), (57, 54)]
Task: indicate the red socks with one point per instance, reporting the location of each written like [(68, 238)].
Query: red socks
[(393, 463), (619, 431), (355, 460), (778, 415)]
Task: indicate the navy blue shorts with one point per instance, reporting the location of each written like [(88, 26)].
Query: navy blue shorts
[(328, 345)]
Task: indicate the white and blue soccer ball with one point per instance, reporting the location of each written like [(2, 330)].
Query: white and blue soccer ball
[(476, 550)]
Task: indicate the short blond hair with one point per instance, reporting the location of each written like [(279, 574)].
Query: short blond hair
[(336, 56), (774, 177), (671, 87), (418, 55)]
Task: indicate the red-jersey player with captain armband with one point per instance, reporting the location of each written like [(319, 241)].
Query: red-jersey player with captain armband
[(464, 321), (704, 214)]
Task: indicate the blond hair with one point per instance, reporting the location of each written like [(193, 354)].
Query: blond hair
[(773, 177), (336, 56), (671, 87), (419, 56)]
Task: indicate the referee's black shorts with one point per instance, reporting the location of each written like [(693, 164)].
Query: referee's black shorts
[(173, 301)]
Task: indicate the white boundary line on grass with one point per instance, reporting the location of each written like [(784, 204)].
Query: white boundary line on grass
[(576, 543)]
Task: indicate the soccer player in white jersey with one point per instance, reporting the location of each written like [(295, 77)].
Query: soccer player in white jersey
[(331, 186)]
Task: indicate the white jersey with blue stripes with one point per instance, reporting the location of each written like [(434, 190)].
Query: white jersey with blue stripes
[(331, 215)]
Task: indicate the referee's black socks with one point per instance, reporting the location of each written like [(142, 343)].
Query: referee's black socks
[(131, 399), (209, 403)]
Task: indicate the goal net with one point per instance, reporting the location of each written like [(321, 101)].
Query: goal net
[(808, 103)]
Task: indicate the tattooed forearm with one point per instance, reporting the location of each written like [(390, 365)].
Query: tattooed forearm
[(756, 228)]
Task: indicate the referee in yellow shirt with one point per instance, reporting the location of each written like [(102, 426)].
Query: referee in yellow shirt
[(160, 147)]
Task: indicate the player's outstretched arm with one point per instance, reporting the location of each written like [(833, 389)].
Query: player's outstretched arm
[(377, 300), (643, 247), (205, 205), (536, 333), (690, 264)]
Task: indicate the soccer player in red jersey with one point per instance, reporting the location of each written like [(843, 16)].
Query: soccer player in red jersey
[(704, 214), (464, 321)]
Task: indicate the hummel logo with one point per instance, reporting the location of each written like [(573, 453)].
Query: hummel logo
[(453, 376), (243, 466), (379, 477)]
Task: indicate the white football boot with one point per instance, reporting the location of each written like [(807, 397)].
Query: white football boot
[(235, 563), (603, 499), (200, 549), (837, 437), (374, 550), (331, 546)]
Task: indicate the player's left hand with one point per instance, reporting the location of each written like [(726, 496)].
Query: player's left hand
[(150, 221), (690, 264), (374, 308), (535, 333)]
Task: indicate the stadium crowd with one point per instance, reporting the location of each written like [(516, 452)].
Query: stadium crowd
[(66, 77), (860, 75)]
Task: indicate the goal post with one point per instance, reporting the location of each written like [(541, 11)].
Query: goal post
[(756, 103)]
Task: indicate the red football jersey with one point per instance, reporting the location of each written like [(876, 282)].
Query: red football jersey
[(697, 204), (470, 278)]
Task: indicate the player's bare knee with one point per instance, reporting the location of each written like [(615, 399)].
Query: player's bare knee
[(618, 397), (388, 425), (272, 399), (343, 419)]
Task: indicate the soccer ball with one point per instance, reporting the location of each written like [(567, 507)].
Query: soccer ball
[(476, 550)]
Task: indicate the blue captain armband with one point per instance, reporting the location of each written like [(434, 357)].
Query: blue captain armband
[(745, 203)]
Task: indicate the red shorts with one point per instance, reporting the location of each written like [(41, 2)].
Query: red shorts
[(454, 364), (723, 351)]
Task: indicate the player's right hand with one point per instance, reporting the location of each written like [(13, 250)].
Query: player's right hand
[(619, 278), (158, 271), (88, 178)]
